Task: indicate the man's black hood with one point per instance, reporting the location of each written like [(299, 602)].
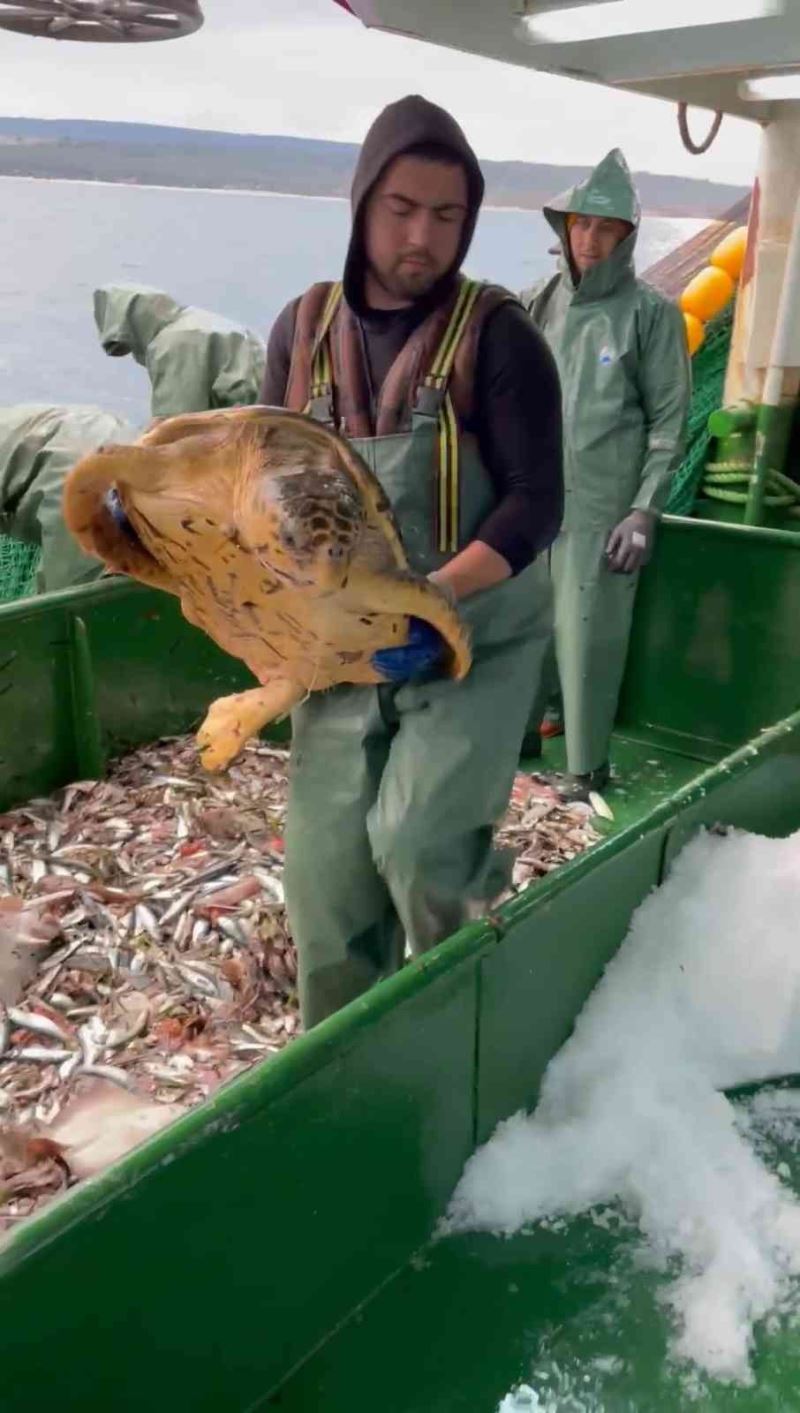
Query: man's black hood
[(408, 123)]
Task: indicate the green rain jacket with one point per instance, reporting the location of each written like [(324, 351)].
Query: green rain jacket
[(195, 360), (622, 358), (39, 445)]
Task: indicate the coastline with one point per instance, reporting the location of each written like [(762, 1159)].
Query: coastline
[(291, 195)]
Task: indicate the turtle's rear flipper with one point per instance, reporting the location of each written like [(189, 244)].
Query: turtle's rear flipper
[(410, 594), (231, 721), (98, 520)]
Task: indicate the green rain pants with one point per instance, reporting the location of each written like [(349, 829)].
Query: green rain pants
[(395, 791), (593, 614)]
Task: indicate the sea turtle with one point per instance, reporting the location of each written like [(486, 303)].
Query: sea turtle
[(279, 542)]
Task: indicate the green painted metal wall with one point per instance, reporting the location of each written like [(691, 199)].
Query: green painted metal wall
[(715, 649)]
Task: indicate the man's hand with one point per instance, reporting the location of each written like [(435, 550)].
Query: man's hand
[(418, 657), (473, 569), (630, 543)]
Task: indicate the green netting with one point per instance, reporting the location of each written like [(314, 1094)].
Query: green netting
[(708, 378), (18, 565)]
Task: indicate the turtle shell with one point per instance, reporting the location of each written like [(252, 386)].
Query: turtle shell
[(274, 534)]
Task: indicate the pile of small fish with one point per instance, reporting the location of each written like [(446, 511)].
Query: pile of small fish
[(148, 913), (175, 970), (543, 830)]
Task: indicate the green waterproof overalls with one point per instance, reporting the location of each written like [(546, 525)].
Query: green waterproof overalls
[(395, 790), (39, 445), (620, 347)]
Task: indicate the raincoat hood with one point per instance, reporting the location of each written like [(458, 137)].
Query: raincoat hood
[(128, 317), (407, 123), (607, 191)]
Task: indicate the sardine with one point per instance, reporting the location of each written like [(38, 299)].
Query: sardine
[(37, 1024), (37, 1054), (111, 1072)]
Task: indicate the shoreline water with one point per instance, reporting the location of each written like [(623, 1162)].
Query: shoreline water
[(294, 195), (206, 247)]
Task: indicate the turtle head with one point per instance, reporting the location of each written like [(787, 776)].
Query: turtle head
[(307, 526)]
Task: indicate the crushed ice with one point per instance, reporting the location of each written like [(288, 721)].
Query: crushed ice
[(703, 996)]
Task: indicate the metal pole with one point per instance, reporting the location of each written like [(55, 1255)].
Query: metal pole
[(775, 193), (781, 383)]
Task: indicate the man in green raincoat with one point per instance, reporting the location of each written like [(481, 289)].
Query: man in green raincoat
[(39, 445), (195, 360), (626, 384)]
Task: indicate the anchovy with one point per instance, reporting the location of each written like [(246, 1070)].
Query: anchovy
[(111, 1072), (118, 1037), (233, 930), (179, 781), (38, 1054), (181, 903), (197, 981), (144, 921), (39, 1025)]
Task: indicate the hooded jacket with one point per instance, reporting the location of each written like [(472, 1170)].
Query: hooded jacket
[(622, 358), (411, 122), (195, 359), (39, 445), (516, 399)]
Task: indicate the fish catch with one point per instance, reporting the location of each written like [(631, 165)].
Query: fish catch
[(154, 901)]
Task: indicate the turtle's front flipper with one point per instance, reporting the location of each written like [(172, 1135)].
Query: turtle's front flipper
[(230, 721)]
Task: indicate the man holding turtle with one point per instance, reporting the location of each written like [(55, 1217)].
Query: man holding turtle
[(447, 390)]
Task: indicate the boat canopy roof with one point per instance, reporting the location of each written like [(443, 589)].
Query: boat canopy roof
[(670, 50)]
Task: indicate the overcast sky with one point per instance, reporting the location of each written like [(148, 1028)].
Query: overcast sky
[(307, 67)]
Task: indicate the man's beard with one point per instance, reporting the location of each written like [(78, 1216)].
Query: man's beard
[(407, 283)]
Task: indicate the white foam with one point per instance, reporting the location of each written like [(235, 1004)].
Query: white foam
[(703, 995)]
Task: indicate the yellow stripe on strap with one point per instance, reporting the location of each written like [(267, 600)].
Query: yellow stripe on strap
[(321, 366), (455, 489), (443, 362), (448, 489)]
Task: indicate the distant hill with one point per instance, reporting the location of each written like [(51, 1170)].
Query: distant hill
[(139, 153)]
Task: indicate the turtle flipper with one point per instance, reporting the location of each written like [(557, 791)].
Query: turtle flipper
[(89, 519), (409, 594), (231, 721)]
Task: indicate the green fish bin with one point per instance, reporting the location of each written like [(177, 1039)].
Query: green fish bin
[(273, 1249)]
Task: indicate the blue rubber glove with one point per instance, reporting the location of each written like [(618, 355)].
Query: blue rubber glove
[(113, 505), (423, 652)]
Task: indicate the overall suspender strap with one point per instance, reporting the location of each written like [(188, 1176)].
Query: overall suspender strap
[(448, 497), (320, 402)]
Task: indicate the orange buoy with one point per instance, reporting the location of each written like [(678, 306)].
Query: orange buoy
[(729, 254), (707, 294), (695, 333)]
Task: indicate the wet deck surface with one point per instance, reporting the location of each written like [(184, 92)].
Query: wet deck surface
[(568, 1312), (643, 776), (571, 1310)]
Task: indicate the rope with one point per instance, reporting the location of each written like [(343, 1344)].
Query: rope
[(696, 148), (721, 476)]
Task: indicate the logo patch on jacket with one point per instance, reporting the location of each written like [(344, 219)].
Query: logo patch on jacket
[(606, 355)]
